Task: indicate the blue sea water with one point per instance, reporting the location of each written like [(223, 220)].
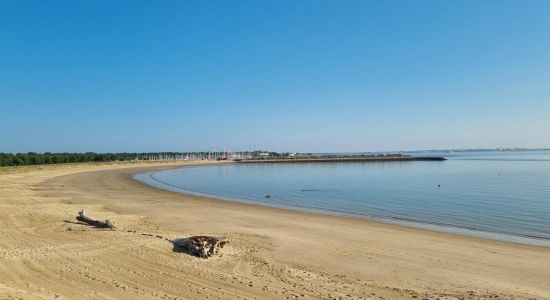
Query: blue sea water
[(501, 194)]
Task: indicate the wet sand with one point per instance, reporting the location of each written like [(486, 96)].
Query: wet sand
[(274, 253)]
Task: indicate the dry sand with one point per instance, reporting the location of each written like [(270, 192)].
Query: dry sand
[(274, 253)]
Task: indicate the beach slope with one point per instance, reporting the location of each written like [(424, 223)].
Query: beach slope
[(273, 253)]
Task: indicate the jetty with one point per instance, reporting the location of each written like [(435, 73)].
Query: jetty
[(332, 158)]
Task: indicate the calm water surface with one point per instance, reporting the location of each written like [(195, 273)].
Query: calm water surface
[(501, 195)]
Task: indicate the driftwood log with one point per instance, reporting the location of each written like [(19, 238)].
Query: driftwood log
[(200, 245), (82, 217)]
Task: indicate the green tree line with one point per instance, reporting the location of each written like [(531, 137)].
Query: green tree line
[(32, 158)]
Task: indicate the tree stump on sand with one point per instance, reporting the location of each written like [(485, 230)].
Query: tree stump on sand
[(82, 217), (200, 245)]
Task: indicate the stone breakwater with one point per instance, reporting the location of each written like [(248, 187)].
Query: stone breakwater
[(342, 159)]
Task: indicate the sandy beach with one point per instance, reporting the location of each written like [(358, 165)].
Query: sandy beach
[(273, 254)]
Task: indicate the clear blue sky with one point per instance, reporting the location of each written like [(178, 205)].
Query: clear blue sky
[(282, 75)]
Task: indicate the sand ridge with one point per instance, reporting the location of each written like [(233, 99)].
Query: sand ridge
[(274, 253)]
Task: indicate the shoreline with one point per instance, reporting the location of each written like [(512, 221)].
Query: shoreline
[(506, 237), (211, 199), (274, 253)]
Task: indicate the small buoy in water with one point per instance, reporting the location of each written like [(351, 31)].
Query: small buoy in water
[(439, 185)]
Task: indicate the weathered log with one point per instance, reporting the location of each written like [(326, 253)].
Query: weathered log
[(82, 217), (201, 245)]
